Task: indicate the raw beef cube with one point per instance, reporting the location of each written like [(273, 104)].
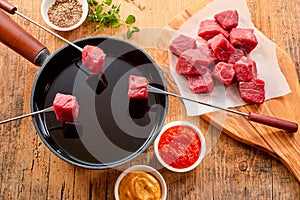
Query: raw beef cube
[(201, 83), (210, 28), (93, 58), (221, 47), (243, 38), (224, 72), (138, 87), (183, 67), (197, 57), (253, 91), (206, 50), (65, 107), (193, 61), (181, 44), (238, 54), (227, 19), (245, 69)]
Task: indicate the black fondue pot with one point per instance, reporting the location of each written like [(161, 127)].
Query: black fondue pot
[(111, 129)]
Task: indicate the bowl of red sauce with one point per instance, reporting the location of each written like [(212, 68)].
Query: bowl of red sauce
[(180, 146)]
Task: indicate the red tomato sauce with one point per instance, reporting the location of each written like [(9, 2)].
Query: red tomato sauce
[(179, 146)]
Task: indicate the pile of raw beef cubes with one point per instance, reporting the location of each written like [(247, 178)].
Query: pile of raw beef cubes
[(224, 57)]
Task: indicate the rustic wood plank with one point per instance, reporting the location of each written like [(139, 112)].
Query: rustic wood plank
[(231, 170)]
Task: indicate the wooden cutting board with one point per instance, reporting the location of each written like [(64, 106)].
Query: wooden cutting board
[(283, 146)]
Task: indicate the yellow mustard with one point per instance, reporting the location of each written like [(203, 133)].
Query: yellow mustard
[(139, 185)]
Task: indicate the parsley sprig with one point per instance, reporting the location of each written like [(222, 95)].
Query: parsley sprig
[(105, 14)]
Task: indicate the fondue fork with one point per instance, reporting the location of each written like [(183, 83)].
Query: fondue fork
[(49, 109), (259, 118)]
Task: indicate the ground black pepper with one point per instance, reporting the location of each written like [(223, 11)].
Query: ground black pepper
[(65, 13)]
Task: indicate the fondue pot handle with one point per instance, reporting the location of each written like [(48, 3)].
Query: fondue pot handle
[(16, 38), (7, 7)]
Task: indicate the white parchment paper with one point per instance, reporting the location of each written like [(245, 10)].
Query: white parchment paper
[(264, 55)]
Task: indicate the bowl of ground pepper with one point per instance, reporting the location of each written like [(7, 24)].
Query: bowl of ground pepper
[(64, 15)]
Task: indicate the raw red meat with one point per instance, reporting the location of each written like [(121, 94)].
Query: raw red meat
[(138, 87), (210, 28), (224, 72), (238, 54), (243, 38), (65, 107), (201, 83), (181, 44), (93, 58), (221, 47), (226, 54), (253, 91), (206, 50), (245, 69), (183, 67), (193, 61), (227, 19), (197, 57)]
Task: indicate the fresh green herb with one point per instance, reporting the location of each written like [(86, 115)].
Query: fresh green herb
[(105, 14)]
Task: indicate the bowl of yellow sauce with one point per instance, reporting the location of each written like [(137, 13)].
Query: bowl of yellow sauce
[(140, 182)]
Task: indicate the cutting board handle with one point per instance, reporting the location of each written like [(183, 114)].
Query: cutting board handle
[(16, 38), (289, 155)]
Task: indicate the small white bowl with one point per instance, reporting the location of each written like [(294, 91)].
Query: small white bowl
[(143, 168), (46, 4), (202, 150)]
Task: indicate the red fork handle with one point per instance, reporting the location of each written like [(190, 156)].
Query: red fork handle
[(274, 122)]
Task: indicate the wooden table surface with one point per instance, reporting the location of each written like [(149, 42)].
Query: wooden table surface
[(231, 170)]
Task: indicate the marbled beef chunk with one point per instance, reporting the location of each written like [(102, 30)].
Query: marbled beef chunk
[(138, 87), (201, 83), (224, 72), (237, 54), (245, 69), (227, 19), (252, 91), (193, 61), (210, 28), (185, 68), (65, 107), (243, 38), (93, 58), (221, 47), (182, 43), (206, 50)]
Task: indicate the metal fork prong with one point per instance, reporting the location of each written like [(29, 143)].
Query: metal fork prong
[(156, 90), (159, 91), (27, 115)]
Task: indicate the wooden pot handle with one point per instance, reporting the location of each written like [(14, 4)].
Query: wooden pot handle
[(16, 38), (7, 7)]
